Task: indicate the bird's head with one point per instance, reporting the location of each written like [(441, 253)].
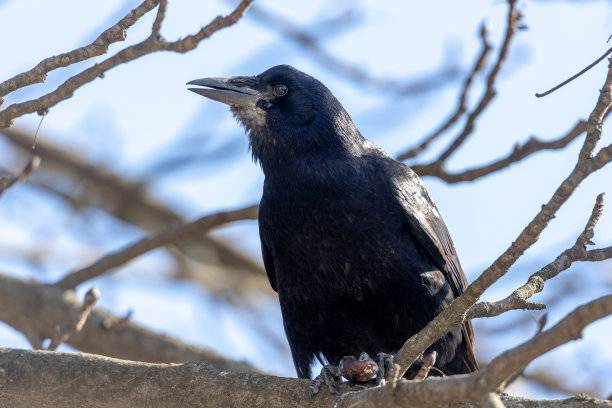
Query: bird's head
[(286, 112)]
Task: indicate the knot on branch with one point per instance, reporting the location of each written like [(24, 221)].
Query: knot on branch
[(537, 282)]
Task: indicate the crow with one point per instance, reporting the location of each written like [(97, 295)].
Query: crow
[(351, 240)]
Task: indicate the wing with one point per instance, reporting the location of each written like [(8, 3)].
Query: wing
[(268, 260), (429, 229)]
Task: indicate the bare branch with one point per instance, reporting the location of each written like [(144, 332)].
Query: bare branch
[(8, 182), (567, 81), (95, 186), (168, 236), (491, 400), (90, 380), (152, 44), (36, 309), (347, 70), (512, 25), (602, 109), (63, 334), (535, 283), (187, 385), (462, 105), (471, 387), (548, 380), (98, 47), (520, 152), (455, 314), (159, 18)]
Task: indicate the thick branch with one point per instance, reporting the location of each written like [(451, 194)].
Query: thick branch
[(35, 309), (471, 387), (170, 235), (152, 44), (455, 314), (49, 379)]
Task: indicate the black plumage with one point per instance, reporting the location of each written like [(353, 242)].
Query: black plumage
[(351, 240)]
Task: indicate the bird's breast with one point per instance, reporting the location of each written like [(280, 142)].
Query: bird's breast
[(339, 236)]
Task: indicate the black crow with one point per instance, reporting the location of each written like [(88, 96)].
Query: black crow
[(351, 240)]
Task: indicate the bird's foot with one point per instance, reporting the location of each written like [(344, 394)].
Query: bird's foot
[(330, 375), (385, 367), (354, 370)]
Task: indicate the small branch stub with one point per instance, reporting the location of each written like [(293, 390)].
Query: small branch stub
[(63, 334)]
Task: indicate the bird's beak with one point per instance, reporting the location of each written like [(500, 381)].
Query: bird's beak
[(218, 89)]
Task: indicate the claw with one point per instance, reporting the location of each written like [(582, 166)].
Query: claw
[(385, 365), (329, 375)]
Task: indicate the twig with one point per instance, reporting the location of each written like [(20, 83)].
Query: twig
[(8, 182), (455, 314), (63, 334), (354, 72), (602, 109), (472, 387), (152, 44), (34, 308), (98, 47), (512, 25), (159, 18), (462, 105), (567, 81), (115, 324), (535, 283), (168, 236), (518, 153), (93, 185)]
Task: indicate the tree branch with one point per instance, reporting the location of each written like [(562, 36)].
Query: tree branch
[(471, 387), (36, 309), (152, 44), (455, 314), (8, 182), (168, 236), (512, 25), (461, 106), (517, 154), (51, 379), (310, 43), (535, 283), (159, 18), (128, 200), (63, 333), (570, 79), (98, 47)]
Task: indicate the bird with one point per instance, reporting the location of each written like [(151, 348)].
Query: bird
[(351, 240)]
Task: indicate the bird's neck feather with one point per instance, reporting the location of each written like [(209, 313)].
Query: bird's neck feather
[(280, 149)]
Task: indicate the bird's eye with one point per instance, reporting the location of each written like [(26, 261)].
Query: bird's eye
[(280, 90)]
